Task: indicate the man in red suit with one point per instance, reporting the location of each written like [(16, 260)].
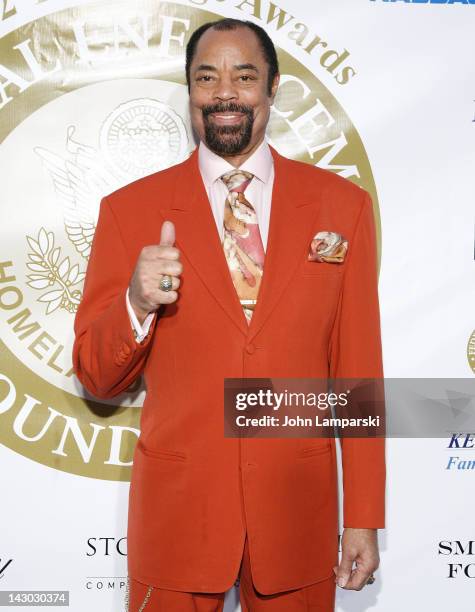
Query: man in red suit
[(198, 308)]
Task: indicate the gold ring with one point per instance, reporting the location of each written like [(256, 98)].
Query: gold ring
[(371, 579)]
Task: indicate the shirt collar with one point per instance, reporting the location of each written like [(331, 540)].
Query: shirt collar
[(212, 166)]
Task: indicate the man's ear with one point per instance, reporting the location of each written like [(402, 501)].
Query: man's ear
[(275, 86)]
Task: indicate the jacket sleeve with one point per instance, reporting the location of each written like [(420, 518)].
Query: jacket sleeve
[(355, 352), (106, 357)]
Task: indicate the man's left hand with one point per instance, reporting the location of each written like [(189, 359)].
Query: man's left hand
[(359, 546)]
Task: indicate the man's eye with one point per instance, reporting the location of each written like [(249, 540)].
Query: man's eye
[(205, 77), (246, 77)]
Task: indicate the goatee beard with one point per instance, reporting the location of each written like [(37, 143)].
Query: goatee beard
[(228, 139)]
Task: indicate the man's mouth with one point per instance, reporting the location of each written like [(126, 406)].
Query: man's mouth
[(226, 118), (228, 127)]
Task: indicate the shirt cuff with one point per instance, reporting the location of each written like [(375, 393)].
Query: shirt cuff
[(140, 331)]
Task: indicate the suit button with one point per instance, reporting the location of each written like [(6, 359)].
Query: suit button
[(250, 348), (125, 349)]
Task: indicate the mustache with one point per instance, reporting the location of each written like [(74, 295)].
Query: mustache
[(231, 107)]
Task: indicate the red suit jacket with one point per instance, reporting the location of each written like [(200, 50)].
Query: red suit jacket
[(194, 492)]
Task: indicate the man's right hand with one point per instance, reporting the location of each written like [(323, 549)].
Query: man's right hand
[(153, 262)]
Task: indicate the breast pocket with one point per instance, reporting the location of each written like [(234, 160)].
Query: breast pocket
[(316, 268)]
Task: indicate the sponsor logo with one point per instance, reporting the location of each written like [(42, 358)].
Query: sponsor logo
[(106, 547), (461, 554), (112, 548), (106, 583), (4, 563), (427, 1), (459, 446)]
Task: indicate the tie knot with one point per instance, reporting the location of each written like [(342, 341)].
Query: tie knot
[(237, 180)]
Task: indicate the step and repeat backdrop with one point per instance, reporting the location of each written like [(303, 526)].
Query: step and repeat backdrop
[(93, 96)]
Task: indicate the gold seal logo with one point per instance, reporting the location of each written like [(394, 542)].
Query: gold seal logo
[(143, 136), (95, 99), (471, 351)]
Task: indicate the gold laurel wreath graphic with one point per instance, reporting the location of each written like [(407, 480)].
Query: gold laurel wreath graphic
[(48, 271)]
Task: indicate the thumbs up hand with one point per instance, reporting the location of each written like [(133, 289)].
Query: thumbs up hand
[(153, 262)]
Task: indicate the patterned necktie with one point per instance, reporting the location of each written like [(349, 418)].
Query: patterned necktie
[(242, 241)]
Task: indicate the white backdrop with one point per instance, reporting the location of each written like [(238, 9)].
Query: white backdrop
[(411, 100)]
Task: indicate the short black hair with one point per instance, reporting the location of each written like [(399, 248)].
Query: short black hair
[(228, 23)]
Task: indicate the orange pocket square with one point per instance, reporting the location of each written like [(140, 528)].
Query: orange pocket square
[(328, 246)]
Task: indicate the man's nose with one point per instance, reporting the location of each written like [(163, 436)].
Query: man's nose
[(225, 89)]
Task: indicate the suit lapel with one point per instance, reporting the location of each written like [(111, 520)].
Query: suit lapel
[(198, 238), (293, 211)]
